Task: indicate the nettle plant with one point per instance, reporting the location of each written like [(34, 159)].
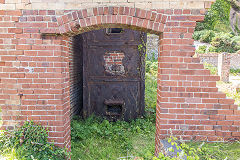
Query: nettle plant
[(30, 142)]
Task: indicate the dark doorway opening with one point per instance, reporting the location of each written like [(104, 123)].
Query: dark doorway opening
[(108, 74), (113, 70)]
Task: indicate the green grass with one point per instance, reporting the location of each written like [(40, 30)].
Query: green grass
[(219, 151), (96, 138), (99, 139)]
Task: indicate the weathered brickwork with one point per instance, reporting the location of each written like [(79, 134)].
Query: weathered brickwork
[(35, 49), (81, 4), (113, 63), (212, 58), (224, 66)]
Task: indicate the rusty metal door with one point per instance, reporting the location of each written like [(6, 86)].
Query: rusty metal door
[(113, 73)]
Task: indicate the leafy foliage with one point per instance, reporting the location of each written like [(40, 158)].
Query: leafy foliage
[(151, 68), (204, 36), (225, 43), (220, 41), (217, 30), (218, 15), (217, 151), (112, 139), (29, 142), (186, 151), (201, 49), (151, 85), (212, 49), (201, 150)]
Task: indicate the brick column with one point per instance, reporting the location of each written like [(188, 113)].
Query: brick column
[(188, 103), (224, 66)]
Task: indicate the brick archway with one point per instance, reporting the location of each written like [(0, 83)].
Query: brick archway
[(37, 72), (84, 20)]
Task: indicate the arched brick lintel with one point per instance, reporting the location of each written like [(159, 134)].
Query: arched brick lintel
[(76, 22)]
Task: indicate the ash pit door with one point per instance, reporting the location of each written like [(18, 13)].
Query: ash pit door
[(113, 73)]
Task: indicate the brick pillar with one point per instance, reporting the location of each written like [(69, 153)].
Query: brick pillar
[(224, 66)]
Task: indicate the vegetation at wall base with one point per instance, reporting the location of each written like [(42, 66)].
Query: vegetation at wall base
[(29, 142), (96, 138), (201, 150), (218, 151)]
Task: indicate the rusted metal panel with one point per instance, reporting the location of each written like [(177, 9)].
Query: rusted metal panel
[(113, 74)]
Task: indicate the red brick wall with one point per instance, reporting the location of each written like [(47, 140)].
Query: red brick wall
[(35, 81)]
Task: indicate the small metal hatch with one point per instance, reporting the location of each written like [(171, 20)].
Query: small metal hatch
[(114, 30), (114, 107)]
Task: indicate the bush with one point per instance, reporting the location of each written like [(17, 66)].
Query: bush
[(212, 49), (236, 39), (204, 36), (201, 50), (222, 27), (221, 42), (207, 36), (151, 86), (29, 141), (150, 92), (152, 67), (201, 26), (216, 15), (147, 66), (224, 42), (197, 35)]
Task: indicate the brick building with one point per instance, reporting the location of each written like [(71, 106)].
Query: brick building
[(35, 37)]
